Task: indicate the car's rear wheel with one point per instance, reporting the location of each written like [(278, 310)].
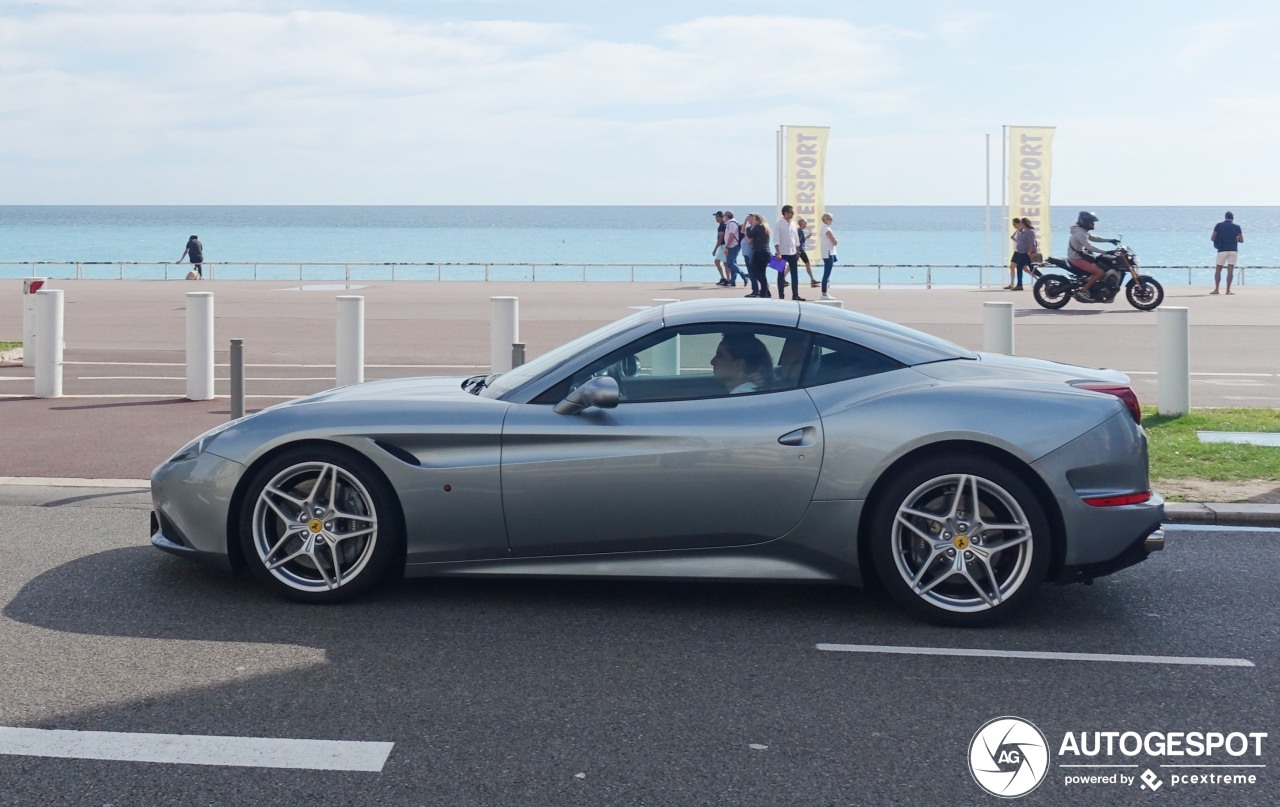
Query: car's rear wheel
[(959, 540), (320, 525)]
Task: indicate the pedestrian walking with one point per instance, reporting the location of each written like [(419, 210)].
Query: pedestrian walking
[(827, 249), (806, 241), (1013, 259), (786, 245), (1227, 237), (758, 235), (194, 251), (732, 247), (717, 252), (1024, 243)]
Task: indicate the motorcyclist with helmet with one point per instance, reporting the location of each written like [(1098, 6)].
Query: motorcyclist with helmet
[(1079, 249)]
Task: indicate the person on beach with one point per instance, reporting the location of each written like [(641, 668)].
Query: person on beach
[(717, 252), (1024, 243), (1013, 259), (1225, 237), (732, 246), (827, 249), (758, 235), (805, 235), (195, 252), (786, 245)]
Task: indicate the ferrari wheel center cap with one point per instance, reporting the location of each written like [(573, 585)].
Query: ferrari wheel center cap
[(960, 542), (315, 525)]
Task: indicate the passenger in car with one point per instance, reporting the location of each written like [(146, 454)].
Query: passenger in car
[(742, 363), (791, 363)]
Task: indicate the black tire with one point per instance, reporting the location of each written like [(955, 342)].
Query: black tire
[(934, 556), (1052, 291), (1145, 293), (321, 525)]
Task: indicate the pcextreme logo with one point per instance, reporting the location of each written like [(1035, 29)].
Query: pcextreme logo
[(1009, 757)]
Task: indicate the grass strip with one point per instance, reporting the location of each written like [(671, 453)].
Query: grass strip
[(1177, 453)]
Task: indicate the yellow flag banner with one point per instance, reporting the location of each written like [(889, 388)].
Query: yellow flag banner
[(804, 160), (1030, 172)]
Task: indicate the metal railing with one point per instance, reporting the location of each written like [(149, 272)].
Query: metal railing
[(886, 275)]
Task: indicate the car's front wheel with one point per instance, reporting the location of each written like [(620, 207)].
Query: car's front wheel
[(320, 525), (959, 540)]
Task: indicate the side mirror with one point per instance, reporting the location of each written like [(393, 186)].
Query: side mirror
[(601, 391)]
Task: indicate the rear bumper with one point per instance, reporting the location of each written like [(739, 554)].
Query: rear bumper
[(1138, 550)]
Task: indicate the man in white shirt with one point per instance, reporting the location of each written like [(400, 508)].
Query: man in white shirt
[(732, 246), (786, 244)]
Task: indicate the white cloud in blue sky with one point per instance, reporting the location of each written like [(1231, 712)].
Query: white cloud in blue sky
[(419, 102)]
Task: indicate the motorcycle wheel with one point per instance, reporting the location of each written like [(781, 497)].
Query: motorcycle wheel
[(1052, 291), (1144, 294)]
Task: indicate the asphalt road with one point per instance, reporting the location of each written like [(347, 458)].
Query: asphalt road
[(564, 693)]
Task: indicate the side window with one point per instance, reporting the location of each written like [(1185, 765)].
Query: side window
[(832, 360), (692, 362)]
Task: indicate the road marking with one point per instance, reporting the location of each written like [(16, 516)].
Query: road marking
[(1034, 654), (191, 749), (74, 482)]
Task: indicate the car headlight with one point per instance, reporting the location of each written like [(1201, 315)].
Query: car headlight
[(197, 446)]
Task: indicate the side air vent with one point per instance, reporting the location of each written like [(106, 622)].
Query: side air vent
[(399, 453)]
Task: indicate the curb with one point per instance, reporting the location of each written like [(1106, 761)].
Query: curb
[(1234, 514)]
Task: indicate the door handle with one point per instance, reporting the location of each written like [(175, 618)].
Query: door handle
[(799, 437)]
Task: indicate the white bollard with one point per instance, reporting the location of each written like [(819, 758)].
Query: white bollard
[(350, 364), (1173, 364), (997, 328), (48, 343), (30, 285), (200, 345), (504, 331)]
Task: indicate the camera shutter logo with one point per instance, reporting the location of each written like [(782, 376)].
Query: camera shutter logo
[(1009, 757)]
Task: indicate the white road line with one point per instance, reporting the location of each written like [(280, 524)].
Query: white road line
[(190, 749), (139, 395), (73, 482), (1034, 654), (251, 364)]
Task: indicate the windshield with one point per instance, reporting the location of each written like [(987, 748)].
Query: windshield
[(499, 385)]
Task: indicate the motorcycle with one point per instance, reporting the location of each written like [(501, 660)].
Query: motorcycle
[(1054, 290)]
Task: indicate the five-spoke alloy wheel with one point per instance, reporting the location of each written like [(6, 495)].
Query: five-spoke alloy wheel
[(319, 526), (960, 540)]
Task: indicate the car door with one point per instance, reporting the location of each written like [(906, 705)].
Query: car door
[(691, 467)]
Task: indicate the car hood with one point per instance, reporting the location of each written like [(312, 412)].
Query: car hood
[(427, 388), (996, 366)]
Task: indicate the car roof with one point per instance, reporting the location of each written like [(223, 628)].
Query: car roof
[(899, 342)]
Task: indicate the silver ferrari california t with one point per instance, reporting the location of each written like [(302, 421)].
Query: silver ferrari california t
[(719, 439)]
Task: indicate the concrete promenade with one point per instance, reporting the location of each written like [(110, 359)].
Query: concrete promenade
[(124, 409)]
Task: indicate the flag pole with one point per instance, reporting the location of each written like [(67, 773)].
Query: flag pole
[(779, 179), (1004, 176), (987, 230)]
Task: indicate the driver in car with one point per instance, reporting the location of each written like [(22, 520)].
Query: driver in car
[(742, 363), (1079, 249)]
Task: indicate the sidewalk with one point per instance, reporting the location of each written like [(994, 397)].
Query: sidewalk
[(118, 423)]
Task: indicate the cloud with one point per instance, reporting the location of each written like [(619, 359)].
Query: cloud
[(246, 102)]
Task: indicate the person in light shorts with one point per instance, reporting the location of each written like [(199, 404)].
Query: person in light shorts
[(1225, 238)]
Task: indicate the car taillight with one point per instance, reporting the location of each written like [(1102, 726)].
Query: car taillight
[(1126, 395), (1119, 501)]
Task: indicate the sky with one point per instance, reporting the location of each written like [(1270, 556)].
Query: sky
[(476, 102)]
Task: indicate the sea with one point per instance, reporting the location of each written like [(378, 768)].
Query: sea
[(450, 242)]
